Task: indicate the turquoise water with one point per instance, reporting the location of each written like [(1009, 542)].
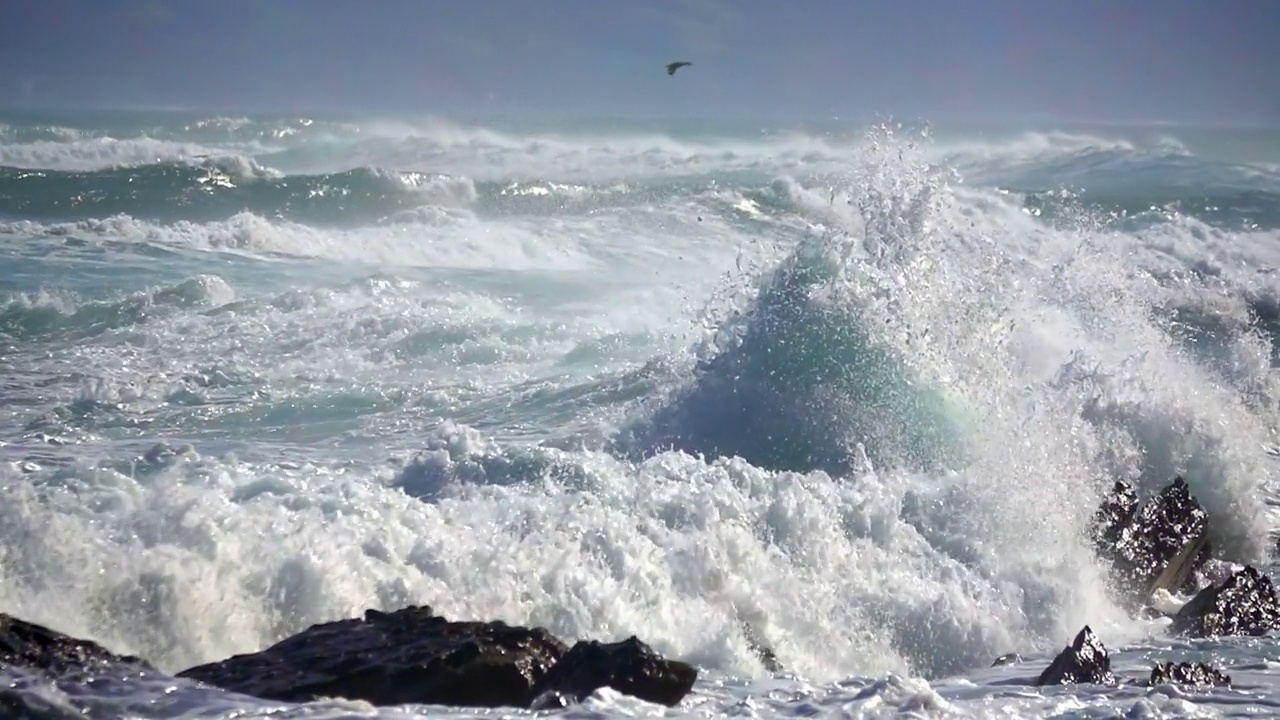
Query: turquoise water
[(858, 385)]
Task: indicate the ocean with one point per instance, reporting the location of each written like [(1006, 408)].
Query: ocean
[(860, 385)]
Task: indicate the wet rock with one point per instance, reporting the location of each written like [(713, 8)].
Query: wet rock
[(1188, 674), (30, 646), (408, 656), (1115, 513), (415, 656), (1244, 604), (1084, 661), (763, 652), (1157, 545), (551, 700), (1007, 659), (629, 666)]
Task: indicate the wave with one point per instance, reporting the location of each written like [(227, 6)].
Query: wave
[(907, 324), (344, 172), (98, 153), (32, 317), (217, 188)]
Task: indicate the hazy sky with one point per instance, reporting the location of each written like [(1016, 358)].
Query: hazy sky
[(1214, 60)]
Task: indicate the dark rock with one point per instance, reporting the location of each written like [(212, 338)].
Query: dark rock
[(551, 700), (35, 647), (1244, 604), (1188, 674), (1084, 661), (629, 666), (1115, 513), (1007, 659), (762, 651), (1156, 546), (408, 656)]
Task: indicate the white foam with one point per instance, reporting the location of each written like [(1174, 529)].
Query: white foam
[(104, 152)]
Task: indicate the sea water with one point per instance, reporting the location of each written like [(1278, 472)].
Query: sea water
[(859, 386)]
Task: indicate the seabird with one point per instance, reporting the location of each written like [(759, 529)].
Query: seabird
[(673, 67)]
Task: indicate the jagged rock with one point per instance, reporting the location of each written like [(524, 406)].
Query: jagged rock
[(1155, 546), (629, 666), (1244, 604), (408, 656), (35, 647), (1007, 659), (1084, 661), (1188, 674), (1115, 513)]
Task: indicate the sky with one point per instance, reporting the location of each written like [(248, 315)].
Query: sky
[(1098, 60)]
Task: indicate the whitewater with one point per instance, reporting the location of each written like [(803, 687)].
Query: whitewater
[(858, 385)]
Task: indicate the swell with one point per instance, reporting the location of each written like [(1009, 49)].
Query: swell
[(217, 189), (49, 316)]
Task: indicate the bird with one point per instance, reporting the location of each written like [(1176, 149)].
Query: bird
[(673, 67)]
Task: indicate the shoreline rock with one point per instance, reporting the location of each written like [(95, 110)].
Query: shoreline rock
[(36, 647), (415, 656), (1243, 604), (1156, 545), (1162, 545), (410, 656), (1086, 662)]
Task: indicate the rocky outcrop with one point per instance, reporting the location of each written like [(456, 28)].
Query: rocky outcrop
[(409, 656), (416, 656), (629, 666), (1085, 660), (1162, 546), (1153, 546), (37, 648), (1243, 604), (1184, 673)]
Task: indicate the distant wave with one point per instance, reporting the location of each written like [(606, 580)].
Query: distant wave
[(217, 188)]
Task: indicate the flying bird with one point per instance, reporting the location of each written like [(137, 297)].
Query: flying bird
[(673, 67)]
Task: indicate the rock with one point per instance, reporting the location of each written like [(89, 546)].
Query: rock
[(551, 700), (408, 656), (34, 647), (1007, 659), (1244, 604), (763, 652), (1084, 661), (1115, 513), (1155, 546), (629, 666), (1188, 674)]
